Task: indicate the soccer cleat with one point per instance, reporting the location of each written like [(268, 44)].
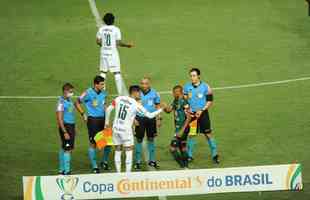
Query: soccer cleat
[(190, 159), (216, 159), (138, 166), (61, 173), (154, 164), (96, 171), (104, 166), (67, 173)]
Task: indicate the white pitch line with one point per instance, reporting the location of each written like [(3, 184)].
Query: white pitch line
[(261, 84)]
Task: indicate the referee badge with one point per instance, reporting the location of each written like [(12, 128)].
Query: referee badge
[(190, 95), (95, 103), (200, 95)]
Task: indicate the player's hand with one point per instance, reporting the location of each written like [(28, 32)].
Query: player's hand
[(198, 113), (136, 123), (67, 136), (158, 122), (107, 126), (130, 45), (163, 105), (84, 117)]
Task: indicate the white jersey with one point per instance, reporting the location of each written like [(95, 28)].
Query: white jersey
[(109, 35), (126, 109)]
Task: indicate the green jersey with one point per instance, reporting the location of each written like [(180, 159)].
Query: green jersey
[(178, 106)]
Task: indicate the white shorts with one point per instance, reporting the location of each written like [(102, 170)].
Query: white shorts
[(110, 62), (121, 138)]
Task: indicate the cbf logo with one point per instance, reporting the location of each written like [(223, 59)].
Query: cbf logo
[(67, 186)]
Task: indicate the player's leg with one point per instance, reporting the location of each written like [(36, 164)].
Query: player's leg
[(128, 143), (191, 141), (205, 127), (118, 158), (139, 134), (151, 131), (69, 146), (91, 126), (174, 151), (183, 153), (114, 67), (103, 66), (104, 164), (61, 152)]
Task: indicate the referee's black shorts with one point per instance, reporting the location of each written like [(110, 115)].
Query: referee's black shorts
[(204, 123), (67, 145), (147, 126), (94, 125)]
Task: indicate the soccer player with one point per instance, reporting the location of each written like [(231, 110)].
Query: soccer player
[(66, 124), (109, 38), (151, 102), (182, 118), (126, 109), (200, 98), (94, 99)]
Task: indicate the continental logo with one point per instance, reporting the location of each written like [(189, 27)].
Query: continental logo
[(127, 186)]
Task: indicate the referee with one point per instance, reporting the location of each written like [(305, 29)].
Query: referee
[(66, 125), (151, 102), (200, 98), (94, 99)]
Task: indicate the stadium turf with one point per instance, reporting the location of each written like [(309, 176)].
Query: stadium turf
[(45, 43)]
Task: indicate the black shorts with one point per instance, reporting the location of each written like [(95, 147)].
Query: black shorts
[(204, 123), (94, 125), (67, 145), (146, 125)]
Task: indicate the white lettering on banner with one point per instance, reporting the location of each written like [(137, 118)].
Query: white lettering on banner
[(164, 183)]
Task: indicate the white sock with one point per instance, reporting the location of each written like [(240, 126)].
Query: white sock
[(128, 160), (119, 83), (118, 161)]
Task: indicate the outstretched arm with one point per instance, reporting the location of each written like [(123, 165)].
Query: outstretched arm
[(120, 43), (147, 114)]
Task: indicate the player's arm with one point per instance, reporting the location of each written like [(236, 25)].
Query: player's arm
[(120, 43), (147, 114), (60, 120), (98, 41), (78, 105), (209, 97), (108, 112)]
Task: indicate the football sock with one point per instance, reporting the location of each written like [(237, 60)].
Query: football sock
[(106, 154), (119, 83), (177, 157), (138, 152), (117, 160), (184, 158), (61, 160), (151, 149), (92, 157), (128, 160), (67, 160), (213, 146), (103, 74), (190, 146)]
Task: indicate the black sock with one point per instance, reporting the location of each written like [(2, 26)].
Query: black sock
[(184, 158)]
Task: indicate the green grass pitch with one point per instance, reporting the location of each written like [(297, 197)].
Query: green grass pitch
[(45, 43)]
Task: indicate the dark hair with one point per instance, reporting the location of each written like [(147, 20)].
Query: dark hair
[(195, 70), (134, 88), (178, 87), (98, 79), (67, 86), (109, 19)]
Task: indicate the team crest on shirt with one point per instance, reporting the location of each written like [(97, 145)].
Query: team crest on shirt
[(150, 102), (70, 109), (95, 103), (199, 95), (190, 95)]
